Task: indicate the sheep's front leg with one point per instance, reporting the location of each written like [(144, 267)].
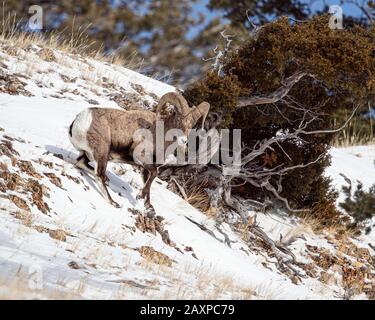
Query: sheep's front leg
[(104, 191), (147, 188), (145, 194), (144, 159)]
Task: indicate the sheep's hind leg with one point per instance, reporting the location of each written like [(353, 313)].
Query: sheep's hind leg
[(82, 162), (101, 165)]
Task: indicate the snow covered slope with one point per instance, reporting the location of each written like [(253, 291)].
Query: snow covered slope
[(60, 239), (354, 163), (358, 165)]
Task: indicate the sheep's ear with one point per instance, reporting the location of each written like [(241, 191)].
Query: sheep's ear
[(213, 120), (198, 112)]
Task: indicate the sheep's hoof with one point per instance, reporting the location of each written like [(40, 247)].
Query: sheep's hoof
[(150, 212), (147, 202), (142, 195)]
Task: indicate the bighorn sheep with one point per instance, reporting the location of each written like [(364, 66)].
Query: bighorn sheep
[(103, 134)]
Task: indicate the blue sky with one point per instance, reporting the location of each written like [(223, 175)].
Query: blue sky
[(201, 7), (349, 9)]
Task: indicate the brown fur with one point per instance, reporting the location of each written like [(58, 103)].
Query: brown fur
[(110, 136), (114, 129)]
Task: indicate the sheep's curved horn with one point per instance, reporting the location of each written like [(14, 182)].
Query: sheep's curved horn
[(198, 112), (176, 99)]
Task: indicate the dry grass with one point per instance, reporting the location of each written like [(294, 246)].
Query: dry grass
[(206, 283), (3, 166), (325, 217), (20, 287), (353, 140), (163, 282), (336, 230), (296, 232), (198, 197), (187, 281), (356, 134), (75, 43), (27, 219)]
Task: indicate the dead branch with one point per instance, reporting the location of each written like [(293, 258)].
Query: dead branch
[(275, 96), (232, 209), (332, 130), (227, 241), (203, 228), (220, 54), (180, 188), (286, 260)]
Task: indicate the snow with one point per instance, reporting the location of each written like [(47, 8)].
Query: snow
[(355, 163), (103, 240)]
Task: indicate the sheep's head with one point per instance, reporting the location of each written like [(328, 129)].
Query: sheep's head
[(184, 118)]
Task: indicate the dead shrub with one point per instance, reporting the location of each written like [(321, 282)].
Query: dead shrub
[(58, 234), (47, 54), (6, 148), (54, 179), (25, 217), (12, 85), (12, 181), (19, 202), (37, 191), (198, 197), (27, 167), (153, 225), (154, 256)]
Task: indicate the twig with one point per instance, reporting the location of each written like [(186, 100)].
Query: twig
[(275, 96), (180, 188)]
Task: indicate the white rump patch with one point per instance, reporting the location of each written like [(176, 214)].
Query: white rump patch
[(80, 127)]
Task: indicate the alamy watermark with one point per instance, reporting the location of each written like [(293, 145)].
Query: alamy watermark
[(199, 147), (35, 277), (336, 19), (36, 20)]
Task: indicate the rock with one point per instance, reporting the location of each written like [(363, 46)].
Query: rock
[(74, 265), (92, 101)]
